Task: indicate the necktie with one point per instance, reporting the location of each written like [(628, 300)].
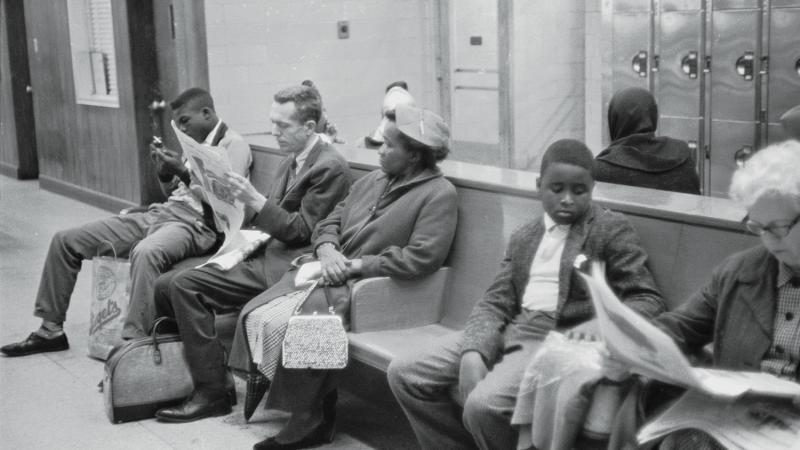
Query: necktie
[(292, 171)]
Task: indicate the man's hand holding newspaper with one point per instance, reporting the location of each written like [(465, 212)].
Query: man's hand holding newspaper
[(227, 193), (741, 420)]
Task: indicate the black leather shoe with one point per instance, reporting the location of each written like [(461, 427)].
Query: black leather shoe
[(198, 406), (36, 344), (322, 434)]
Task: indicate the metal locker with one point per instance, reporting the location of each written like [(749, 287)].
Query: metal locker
[(677, 87), (631, 25), (734, 75), (784, 67)]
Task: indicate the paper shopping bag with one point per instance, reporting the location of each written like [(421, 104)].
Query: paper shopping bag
[(110, 299)]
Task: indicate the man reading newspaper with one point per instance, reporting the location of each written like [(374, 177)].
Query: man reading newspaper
[(154, 239)]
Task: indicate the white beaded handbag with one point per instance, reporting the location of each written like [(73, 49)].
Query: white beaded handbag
[(315, 341)]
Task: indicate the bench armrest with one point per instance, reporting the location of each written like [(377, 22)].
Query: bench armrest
[(133, 209), (382, 303)]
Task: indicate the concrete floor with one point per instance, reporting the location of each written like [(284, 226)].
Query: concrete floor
[(51, 400)]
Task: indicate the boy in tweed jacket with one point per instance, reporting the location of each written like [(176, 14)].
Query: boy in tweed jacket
[(535, 291)]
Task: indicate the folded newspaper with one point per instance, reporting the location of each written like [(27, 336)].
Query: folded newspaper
[(238, 248), (714, 396)]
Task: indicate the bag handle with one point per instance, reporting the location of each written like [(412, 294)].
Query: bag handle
[(154, 335), (306, 294), (110, 244)]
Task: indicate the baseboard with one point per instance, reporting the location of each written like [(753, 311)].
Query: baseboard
[(8, 170), (94, 198)]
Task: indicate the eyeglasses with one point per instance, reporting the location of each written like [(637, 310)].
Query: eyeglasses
[(778, 231)]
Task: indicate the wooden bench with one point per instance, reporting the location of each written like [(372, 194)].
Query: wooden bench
[(685, 237)]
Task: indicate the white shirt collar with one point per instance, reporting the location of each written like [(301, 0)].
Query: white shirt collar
[(210, 138), (301, 158), (550, 224)]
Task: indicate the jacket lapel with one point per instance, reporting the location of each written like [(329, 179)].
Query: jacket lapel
[(760, 293), (576, 237)]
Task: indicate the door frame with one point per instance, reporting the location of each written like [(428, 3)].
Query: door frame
[(28, 161), (505, 39)]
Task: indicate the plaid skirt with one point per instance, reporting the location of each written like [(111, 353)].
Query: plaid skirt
[(266, 326)]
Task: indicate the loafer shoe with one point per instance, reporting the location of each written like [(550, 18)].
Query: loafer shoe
[(198, 406), (36, 344)]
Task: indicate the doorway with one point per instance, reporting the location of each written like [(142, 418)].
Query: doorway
[(18, 156)]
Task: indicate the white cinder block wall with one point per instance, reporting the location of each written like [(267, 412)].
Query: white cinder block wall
[(256, 47)]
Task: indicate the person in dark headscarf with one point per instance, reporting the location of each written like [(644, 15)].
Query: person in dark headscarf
[(790, 121), (636, 157)]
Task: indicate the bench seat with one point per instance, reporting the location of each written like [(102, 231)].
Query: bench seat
[(378, 348)]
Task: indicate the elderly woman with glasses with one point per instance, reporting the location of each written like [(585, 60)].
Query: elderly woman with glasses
[(750, 309)]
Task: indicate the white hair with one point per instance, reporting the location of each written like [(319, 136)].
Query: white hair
[(775, 169)]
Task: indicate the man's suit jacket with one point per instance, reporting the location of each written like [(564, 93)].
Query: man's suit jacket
[(600, 235), (294, 207), (735, 310)]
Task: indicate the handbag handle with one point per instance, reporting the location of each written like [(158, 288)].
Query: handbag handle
[(154, 335), (110, 244), (306, 294)]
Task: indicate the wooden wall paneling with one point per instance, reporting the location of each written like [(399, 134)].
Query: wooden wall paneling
[(9, 160), (89, 149)]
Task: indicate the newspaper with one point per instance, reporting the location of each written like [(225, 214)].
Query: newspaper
[(633, 340), (238, 248), (208, 165), (745, 423), (714, 402)]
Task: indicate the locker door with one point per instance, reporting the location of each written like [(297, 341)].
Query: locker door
[(632, 52), (631, 29), (784, 67), (734, 74), (677, 86)]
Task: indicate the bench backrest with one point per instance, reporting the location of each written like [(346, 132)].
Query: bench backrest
[(685, 236)]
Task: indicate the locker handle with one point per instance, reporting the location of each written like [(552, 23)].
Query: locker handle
[(744, 66), (742, 155), (639, 63), (689, 64), (694, 150), (797, 66)]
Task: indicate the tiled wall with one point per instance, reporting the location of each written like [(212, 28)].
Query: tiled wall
[(259, 46), (548, 76)]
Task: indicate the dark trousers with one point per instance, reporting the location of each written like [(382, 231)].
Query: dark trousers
[(193, 297), (154, 240)]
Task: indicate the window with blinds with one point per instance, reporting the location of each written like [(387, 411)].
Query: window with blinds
[(94, 65)]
